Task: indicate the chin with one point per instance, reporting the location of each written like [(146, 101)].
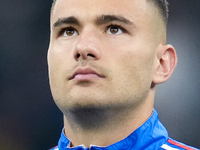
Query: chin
[(87, 104), (76, 103)]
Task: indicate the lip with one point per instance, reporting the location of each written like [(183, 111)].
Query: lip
[(85, 74)]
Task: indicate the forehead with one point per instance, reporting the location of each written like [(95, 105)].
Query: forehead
[(91, 8)]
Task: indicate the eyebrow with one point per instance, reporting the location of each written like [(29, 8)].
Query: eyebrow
[(67, 20), (104, 19)]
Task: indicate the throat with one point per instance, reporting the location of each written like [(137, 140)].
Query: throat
[(89, 118), (95, 125)]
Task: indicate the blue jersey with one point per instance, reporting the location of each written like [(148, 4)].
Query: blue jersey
[(152, 135)]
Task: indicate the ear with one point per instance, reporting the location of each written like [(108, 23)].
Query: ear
[(165, 65)]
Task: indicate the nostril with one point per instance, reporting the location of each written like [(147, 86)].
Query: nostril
[(85, 56), (78, 55), (90, 55)]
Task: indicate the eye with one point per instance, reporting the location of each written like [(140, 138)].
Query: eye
[(69, 31), (114, 29)]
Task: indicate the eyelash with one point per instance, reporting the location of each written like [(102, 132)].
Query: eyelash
[(107, 28), (117, 26), (65, 29)]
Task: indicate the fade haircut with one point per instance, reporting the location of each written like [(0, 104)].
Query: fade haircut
[(162, 6)]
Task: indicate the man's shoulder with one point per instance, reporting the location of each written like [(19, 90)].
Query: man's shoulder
[(172, 144)]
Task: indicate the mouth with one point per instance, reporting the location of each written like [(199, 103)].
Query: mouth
[(85, 74)]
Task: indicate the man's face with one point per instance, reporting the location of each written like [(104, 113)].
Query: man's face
[(102, 53)]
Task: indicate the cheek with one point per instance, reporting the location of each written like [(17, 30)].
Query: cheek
[(54, 63), (59, 57), (134, 67), (56, 66)]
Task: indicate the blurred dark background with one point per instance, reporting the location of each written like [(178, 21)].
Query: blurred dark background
[(30, 120)]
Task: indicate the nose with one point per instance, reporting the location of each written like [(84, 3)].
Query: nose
[(87, 47)]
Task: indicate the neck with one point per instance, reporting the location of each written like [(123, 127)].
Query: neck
[(104, 126)]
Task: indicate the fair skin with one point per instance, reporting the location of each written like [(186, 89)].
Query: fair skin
[(105, 59)]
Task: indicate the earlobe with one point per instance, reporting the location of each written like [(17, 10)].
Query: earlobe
[(167, 61)]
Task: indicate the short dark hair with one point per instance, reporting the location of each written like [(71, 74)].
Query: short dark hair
[(162, 6)]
